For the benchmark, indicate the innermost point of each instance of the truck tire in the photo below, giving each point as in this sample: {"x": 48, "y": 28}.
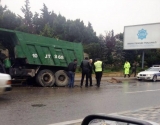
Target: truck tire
{"x": 61, "y": 78}
{"x": 45, "y": 78}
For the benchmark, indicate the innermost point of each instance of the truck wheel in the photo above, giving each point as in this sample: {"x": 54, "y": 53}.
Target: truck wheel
{"x": 154, "y": 78}
{"x": 61, "y": 78}
{"x": 45, "y": 78}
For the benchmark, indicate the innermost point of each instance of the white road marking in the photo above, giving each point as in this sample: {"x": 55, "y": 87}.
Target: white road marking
{"x": 143, "y": 91}
{"x": 68, "y": 122}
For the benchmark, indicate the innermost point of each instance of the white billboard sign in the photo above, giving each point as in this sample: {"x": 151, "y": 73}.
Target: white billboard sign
{"x": 146, "y": 36}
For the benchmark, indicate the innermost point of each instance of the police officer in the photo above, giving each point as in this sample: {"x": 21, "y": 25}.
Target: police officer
{"x": 126, "y": 69}
{"x": 98, "y": 68}
{"x": 134, "y": 67}
{"x": 85, "y": 65}
{"x": 90, "y": 72}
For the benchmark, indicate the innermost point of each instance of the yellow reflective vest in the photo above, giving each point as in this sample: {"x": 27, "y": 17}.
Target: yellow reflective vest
{"x": 98, "y": 66}
{"x": 126, "y": 67}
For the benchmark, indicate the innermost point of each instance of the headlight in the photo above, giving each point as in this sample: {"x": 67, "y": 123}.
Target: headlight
{"x": 149, "y": 75}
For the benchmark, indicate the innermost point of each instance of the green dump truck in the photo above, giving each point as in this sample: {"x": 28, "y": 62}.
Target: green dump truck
{"x": 26, "y": 55}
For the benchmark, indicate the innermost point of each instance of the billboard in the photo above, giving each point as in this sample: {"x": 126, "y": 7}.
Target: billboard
{"x": 145, "y": 36}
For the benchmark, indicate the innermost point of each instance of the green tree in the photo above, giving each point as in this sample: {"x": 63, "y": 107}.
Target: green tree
{"x": 119, "y": 37}
{"x": 108, "y": 43}
{"x": 131, "y": 55}
{"x": 72, "y": 31}
{"x": 10, "y": 20}
{"x": 37, "y": 23}
{"x": 2, "y": 10}
{"x": 27, "y": 21}
{"x": 45, "y": 15}
{"x": 118, "y": 55}
{"x": 47, "y": 31}
{"x": 93, "y": 49}
{"x": 59, "y": 27}
{"x": 152, "y": 57}
{"x": 90, "y": 35}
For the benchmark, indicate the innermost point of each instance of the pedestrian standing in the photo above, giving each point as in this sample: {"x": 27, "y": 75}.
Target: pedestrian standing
{"x": 71, "y": 70}
{"x": 85, "y": 66}
{"x": 98, "y": 69}
{"x": 134, "y": 67}
{"x": 90, "y": 72}
{"x": 126, "y": 69}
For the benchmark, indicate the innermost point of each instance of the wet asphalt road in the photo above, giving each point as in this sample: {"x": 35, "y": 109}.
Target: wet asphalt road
{"x": 43, "y": 106}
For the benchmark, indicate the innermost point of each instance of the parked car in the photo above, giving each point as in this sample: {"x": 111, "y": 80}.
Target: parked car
{"x": 5, "y": 83}
{"x": 153, "y": 73}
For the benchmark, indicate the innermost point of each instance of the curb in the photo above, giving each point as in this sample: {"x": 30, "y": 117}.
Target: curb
{"x": 108, "y": 78}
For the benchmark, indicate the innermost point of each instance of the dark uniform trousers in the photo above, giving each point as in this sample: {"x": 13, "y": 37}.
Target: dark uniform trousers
{"x": 134, "y": 71}
{"x": 98, "y": 77}
{"x": 85, "y": 73}
{"x": 90, "y": 78}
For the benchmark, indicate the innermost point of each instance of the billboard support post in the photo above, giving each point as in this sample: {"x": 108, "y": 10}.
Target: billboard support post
{"x": 142, "y": 59}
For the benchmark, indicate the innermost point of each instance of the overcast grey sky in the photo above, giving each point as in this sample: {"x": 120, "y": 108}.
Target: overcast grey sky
{"x": 104, "y": 15}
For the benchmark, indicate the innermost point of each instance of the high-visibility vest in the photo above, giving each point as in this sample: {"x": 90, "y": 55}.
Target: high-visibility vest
{"x": 127, "y": 65}
{"x": 98, "y": 66}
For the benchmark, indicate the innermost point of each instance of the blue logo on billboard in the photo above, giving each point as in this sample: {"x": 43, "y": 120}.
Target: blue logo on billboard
{"x": 142, "y": 34}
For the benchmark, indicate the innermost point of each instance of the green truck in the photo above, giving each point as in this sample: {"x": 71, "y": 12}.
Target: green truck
{"x": 45, "y": 59}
